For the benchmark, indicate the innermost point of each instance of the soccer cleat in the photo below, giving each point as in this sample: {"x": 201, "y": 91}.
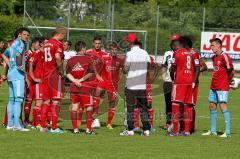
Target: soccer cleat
{"x": 127, "y": 133}
{"x": 152, "y": 129}
{"x": 56, "y": 131}
{"x": 9, "y": 128}
{"x": 90, "y": 132}
{"x": 38, "y": 127}
{"x": 171, "y": 134}
{"x": 170, "y": 128}
{"x": 145, "y": 133}
{"x": 136, "y": 129}
{"x": 96, "y": 123}
{"x": 33, "y": 127}
{"x": 44, "y": 130}
{"x": 109, "y": 126}
{"x": 4, "y": 125}
{"x": 76, "y": 131}
{"x": 208, "y": 133}
{"x": 225, "y": 135}
{"x": 21, "y": 129}
{"x": 186, "y": 134}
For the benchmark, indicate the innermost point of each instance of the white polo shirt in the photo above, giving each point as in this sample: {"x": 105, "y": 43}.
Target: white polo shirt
{"x": 137, "y": 59}
{"x": 69, "y": 54}
{"x": 167, "y": 61}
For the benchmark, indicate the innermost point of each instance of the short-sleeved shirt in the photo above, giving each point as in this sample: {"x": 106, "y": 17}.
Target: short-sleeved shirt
{"x": 220, "y": 77}
{"x": 137, "y": 59}
{"x": 96, "y": 57}
{"x": 196, "y": 57}
{"x": 185, "y": 62}
{"x": 51, "y": 48}
{"x": 112, "y": 67}
{"x": 37, "y": 60}
{"x": 11, "y": 52}
{"x": 167, "y": 60}
{"x": 79, "y": 66}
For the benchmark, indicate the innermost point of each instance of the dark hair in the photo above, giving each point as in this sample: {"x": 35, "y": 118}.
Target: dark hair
{"x": 217, "y": 40}
{"x": 16, "y": 33}
{"x": 113, "y": 45}
{"x": 42, "y": 39}
{"x": 24, "y": 29}
{"x": 187, "y": 41}
{"x": 80, "y": 45}
{"x": 97, "y": 38}
{"x": 36, "y": 39}
{"x": 68, "y": 42}
{"x": 137, "y": 42}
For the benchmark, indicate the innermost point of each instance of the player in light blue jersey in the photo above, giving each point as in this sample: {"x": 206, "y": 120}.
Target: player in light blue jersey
{"x": 15, "y": 59}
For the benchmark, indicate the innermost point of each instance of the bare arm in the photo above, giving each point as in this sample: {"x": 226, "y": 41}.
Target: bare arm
{"x": 32, "y": 74}
{"x": 203, "y": 66}
{"x": 172, "y": 72}
{"x": 164, "y": 72}
{"x": 59, "y": 64}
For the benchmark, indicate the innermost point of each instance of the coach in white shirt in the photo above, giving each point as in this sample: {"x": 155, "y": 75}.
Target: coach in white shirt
{"x": 68, "y": 53}
{"x": 136, "y": 65}
{"x": 167, "y": 81}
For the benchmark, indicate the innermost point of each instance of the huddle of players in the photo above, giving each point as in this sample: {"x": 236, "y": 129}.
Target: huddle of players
{"x": 91, "y": 72}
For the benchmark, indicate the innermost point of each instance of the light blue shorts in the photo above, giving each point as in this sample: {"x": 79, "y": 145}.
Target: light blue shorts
{"x": 16, "y": 89}
{"x": 218, "y": 96}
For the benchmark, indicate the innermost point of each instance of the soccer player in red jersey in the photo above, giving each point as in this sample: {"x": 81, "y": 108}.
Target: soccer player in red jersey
{"x": 79, "y": 69}
{"x": 36, "y": 73}
{"x": 111, "y": 73}
{"x": 183, "y": 67}
{"x": 96, "y": 54}
{"x": 53, "y": 83}
{"x": 223, "y": 72}
{"x": 35, "y": 45}
{"x": 203, "y": 67}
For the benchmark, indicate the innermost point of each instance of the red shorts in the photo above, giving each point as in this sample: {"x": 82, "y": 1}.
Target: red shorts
{"x": 53, "y": 89}
{"x": 110, "y": 88}
{"x": 182, "y": 93}
{"x": 29, "y": 92}
{"x": 38, "y": 90}
{"x": 195, "y": 95}
{"x": 84, "y": 100}
{"x": 149, "y": 93}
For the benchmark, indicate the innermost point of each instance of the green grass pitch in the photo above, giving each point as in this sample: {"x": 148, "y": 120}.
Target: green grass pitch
{"x": 108, "y": 143}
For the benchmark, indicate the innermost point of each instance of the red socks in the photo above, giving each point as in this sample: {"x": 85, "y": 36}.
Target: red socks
{"x": 96, "y": 106}
{"x": 136, "y": 118}
{"x": 36, "y": 116}
{"x": 79, "y": 119}
{"x": 151, "y": 116}
{"x": 55, "y": 112}
{"x": 175, "y": 117}
{"x": 5, "y": 117}
{"x": 111, "y": 113}
{"x": 44, "y": 112}
{"x": 27, "y": 110}
{"x": 49, "y": 115}
{"x": 89, "y": 120}
{"x": 74, "y": 120}
{"x": 186, "y": 118}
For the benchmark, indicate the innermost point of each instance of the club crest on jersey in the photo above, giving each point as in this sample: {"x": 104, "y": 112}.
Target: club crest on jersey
{"x": 77, "y": 67}
{"x": 219, "y": 62}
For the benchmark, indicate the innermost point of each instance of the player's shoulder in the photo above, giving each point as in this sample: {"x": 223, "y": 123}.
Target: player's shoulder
{"x": 169, "y": 52}
{"x": 89, "y": 51}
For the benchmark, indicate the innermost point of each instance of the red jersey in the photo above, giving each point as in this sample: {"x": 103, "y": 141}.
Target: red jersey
{"x": 51, "y": 48}
{"x": 111, "y": 69}
{"x": 37, "y": 60}
{"x": 10, "y": 43}
{"x": 96, "y": 57}
{"x": 220, "y": 77}
{"x": 78, "y": 66}
{"x": 28, "y": 55}
{"x": 154, "y": 65}
{"x": 185, "y": 62}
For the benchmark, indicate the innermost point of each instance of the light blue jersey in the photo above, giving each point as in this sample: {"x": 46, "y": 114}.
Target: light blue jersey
{"x": 11, "y": 53}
